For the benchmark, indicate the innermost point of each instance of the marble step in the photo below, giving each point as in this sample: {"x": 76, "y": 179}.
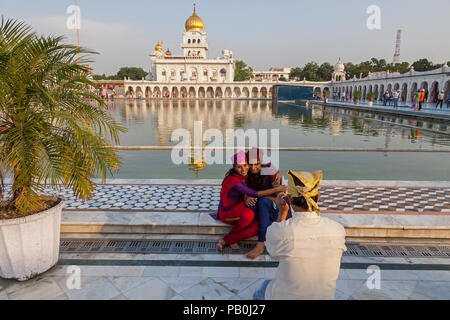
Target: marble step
{"x": 85, "y": 223}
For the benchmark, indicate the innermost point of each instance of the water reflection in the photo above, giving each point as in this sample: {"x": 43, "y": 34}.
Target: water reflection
{"x": 152, "y": 122}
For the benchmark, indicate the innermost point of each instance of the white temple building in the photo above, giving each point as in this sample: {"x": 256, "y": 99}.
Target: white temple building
{"x": 193, "y": 65}
{"x": 194, "y": 75}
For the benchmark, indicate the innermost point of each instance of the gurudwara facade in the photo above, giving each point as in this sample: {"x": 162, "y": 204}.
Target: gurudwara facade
{"x": 194, "y": 75}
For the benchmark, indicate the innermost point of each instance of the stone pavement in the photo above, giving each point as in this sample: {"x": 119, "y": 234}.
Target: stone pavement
{"x": 205, "y": 198}
{"x": 177, "y": 209}
{"x": 113, "y": 280}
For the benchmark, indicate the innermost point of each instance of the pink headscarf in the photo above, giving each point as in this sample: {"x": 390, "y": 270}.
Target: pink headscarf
{"x": 239, "y": 158}
{"x": 254, "y": 155}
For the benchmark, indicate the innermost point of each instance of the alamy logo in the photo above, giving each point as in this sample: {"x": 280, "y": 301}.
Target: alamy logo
{"x": 74, "y": 280}
{"x": 190, "y": 149}
{"x": 374, "y": 281}
{"x": 74, "y": 20}
{"x": 374, "y": 19}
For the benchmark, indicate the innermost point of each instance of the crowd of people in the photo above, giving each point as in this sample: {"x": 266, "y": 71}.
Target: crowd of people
{"x": 255, "y": 202}
{"x": 419, "y": 97}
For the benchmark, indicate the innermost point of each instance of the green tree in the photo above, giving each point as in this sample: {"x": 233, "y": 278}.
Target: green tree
{"x": 424, "y": 65}
{"x": 131, "y": 72}
{"x": 50, "y": 134}
{"x": 283, "y": 79}
{"x": 101, "y": 77}
{"x": 242, "y": 72}
{"x": 399, "y": 67}
{"x": 310, "y": 71}
{"x": 325, "y": 71}
{"x": 295, "y": 74}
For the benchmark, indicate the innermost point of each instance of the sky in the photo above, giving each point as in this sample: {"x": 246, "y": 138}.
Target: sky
{"x": 263, "y": 33}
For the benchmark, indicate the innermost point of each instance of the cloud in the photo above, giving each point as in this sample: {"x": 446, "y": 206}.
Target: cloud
{"x": 118, "y": 44}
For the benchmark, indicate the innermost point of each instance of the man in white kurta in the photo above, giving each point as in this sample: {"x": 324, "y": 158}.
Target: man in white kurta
{"x": 309, "y": 248}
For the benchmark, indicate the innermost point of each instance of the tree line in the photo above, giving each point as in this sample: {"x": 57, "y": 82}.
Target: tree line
{"x": 130, "y": 72}
{"x": 313, "y": 72}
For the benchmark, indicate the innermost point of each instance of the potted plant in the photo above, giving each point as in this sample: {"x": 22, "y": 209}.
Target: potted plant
{"x": 371, "y": 98}
{"x": 357, "y": 96}
{"x": 53, "y": 132}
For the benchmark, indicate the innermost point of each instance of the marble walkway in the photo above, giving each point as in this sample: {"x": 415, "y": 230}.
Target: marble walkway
{"x": 113, "y": 282}
{"x": 205, "y": 198}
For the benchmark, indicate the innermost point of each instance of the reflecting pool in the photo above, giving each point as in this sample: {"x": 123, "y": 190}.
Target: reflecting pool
{"x": 152, "y": 122}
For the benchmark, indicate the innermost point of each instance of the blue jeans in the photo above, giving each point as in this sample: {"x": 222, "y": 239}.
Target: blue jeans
{"x": 260, "y": 293}
{"x": 267, "y": 212}
{"x": 395, "y": 102}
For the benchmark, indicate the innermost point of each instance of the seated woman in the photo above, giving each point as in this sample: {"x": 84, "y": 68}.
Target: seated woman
{"x": 266, "y": 210}
{"x": 232, "y": 208}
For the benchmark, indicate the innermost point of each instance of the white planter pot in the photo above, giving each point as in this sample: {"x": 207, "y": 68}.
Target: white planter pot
{"x": 29, "y": 246}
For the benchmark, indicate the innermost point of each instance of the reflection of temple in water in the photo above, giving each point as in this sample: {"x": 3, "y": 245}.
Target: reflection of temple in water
{"x": 335, "y": 123}
{"x": 170, "y": 115}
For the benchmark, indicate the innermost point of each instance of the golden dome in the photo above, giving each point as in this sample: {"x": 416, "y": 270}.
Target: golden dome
{"x": 158, "y": 47}
{"x": 168, "y": 53}
{"x": 194, "y": 22}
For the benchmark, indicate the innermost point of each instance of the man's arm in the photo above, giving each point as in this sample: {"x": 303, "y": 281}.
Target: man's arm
{"x": 283, "y": 207}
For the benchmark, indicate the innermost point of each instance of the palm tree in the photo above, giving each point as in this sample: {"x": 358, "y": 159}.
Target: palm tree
{"x": 53, "y": 130}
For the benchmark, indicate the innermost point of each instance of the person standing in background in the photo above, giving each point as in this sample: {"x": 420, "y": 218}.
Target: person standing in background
{"x": 440, "y": 99}
{"x": 395, "y": 95}
{"x": 422, "y": 98}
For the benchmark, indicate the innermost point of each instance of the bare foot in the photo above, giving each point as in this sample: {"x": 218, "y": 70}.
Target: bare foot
{"x": 220, "y": 245}
{"x": 256, "y": 251}
{"x": 234, "y": 246}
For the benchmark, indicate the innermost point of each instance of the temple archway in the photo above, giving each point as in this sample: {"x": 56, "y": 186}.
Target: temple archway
{"x": 389, "y": 88}
{"x": 255, "y": 92}
{"x": 446, "y": 90}
{"x": 317, "y": 91}
{"x": 245, "y": 93}
{"x": 157, "y": 92}
{"x": 201, "y": 92}
{"x": 237, "y": 92}
{"x": 404, "y": 93}
{"x": 210, "y": 93}
{"x": 228, "y": 93}
{"x": 219, "y": 93}
{"x": 130, "y": 92}
{"x": 165, "y": 92}
{"x": 148, "y": 92}
{"x": 413, "y": 90}
{"x": 381, "y": 92}
{"x": 175, "y": 93}
{"x": 183, "y": 92}
{"x": 434, "y": 92}
{"x": 139, "y": 92}
{"x": 192, "y": 92}
{"x": 263, "y": 92}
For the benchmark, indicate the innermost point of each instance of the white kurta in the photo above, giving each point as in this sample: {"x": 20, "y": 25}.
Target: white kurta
{"x": 309, "y": 248}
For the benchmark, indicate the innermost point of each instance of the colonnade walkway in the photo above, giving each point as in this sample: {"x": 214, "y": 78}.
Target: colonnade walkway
{"x": 156, "y": 239}
{"x": 428, "y": 110}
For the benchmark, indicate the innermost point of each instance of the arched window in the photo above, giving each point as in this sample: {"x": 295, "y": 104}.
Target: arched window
{"x": 189, "y": 41}
{"x": 189, "y": 53}
{"x": 198, "y": 53}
